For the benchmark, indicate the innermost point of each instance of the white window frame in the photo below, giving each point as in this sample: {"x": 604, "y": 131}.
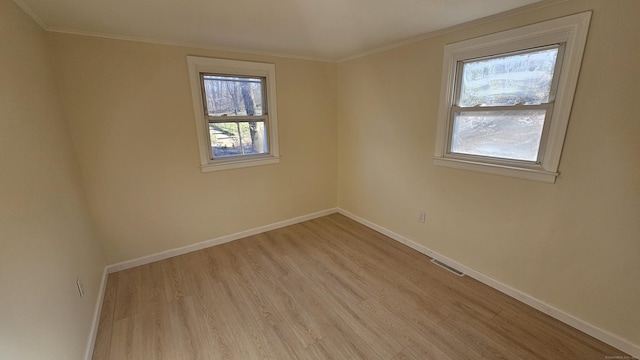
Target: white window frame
{"x": 570, "y": 31}
{"x": 203, "y": 65}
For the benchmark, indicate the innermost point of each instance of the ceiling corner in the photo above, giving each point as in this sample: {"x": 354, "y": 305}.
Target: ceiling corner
{"x": 31, "y": 14}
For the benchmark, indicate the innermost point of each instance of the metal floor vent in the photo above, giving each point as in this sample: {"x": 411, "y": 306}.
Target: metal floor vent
{"x": 447, "y": 267}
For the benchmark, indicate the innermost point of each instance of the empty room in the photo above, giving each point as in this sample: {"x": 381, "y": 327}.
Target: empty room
{"x": 418, "y": 179}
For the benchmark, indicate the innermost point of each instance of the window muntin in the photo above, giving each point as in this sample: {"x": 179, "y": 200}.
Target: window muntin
{"x": 501, "y": 104}
{"x": 235, "y": 112}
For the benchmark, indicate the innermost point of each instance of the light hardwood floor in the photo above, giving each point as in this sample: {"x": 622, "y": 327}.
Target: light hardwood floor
{"x": 329, "y": 288}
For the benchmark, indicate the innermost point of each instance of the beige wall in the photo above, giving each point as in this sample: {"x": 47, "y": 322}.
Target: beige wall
{"x": 369, "y": 123}
{"x": 132, "y": 120}
{"x": 574, "y": 244}
{"x": 46, "y": 238}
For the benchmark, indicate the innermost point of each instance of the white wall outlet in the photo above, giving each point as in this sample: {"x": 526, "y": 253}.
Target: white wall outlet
{"x": 422, "y": 216}
{"x": 80, "y": 288}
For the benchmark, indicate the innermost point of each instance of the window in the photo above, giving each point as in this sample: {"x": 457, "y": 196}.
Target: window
{"x": 235, "y": 108}
{"x": 506, "y": 99}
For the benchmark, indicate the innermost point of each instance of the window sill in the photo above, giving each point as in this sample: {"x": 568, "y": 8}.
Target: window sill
{"x": 495, "y": 169}
{"x": 239, "y": 163}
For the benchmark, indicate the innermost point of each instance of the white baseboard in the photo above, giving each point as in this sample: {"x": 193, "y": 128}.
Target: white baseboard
{"x": 179, "y": 251}
{"x": 96, "y": 316}
{"x": 600, "y": 334}
{"x": 217, "y": 241}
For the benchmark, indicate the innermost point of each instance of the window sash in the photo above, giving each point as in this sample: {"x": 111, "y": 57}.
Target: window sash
{"x": 548, "y": 107}
{"x": 234, "y": 77}
{"x": 554, "y": 82}
{"x": 237, "y": 120}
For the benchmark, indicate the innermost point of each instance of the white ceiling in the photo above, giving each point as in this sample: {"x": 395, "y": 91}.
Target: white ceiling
{"x": 318, "y": 29}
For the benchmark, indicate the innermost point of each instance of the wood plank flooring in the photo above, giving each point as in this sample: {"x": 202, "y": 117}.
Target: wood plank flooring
{"x": 329, "y": 288}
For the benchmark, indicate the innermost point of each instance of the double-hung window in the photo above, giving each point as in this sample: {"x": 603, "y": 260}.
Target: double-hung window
{"x": 507, "y": 96}
{"x": 235, "y": 108}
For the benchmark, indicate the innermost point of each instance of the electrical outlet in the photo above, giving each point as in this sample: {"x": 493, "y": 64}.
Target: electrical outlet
{"x": 80, "y": 288}
{"x": 422, "y": 216}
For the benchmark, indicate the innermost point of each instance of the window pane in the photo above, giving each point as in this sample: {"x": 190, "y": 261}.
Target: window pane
{"x": 232, "y": 96}
{"x": 508, "y": 134}
{"x": 523, "y": 78}
{"x": 238, "y": 138}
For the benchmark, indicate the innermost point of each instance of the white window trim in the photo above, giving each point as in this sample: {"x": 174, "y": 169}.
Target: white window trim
{"x": 199, "y": 65}
{"x": 571, "y": 30}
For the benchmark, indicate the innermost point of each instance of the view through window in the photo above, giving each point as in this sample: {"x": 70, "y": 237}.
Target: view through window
{"x": 236, "y": 115}
{"x": 502, "y": 104}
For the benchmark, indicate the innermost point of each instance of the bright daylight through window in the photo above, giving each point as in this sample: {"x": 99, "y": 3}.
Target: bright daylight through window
{"x": 506, "y": 99}
{"x": 234, "y": 103}
{"x": 234, "y": 112}
{"x": 502, "y": 104}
